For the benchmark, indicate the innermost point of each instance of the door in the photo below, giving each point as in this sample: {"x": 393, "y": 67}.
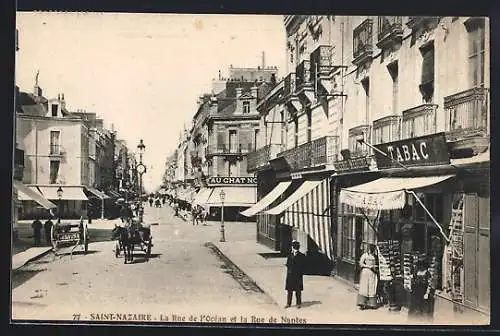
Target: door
{"x": 483, "y": 255}
{"x": 358, "y": 231}
{"x": 471, "y": 215}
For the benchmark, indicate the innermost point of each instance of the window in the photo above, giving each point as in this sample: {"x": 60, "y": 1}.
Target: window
{"x": 348, "y": 234}
{"x": 54, "y": 110}
{"x": 381, "y": 134}
{"x": 296, "y": 132}
{"x": 54, "y": 142}
{"x": 233, "y": 144}
{"x": 54, "y": 171}
{"x": 255, "y": 139}
{"x": 476, "y": 53}
{"x": 386, "y": 129}
{"x": 309, "y": 125}
{"x": 427, "y": 80}
{"x": 246, "y": 107}
{"x": 394, "y": 73}
{"x": 355, "y": 147}
{"x": 366, "y": 87}
{"x": 232, "y": 169}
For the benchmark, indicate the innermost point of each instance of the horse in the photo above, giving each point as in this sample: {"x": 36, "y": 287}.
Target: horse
{"x": 126, "y": 241}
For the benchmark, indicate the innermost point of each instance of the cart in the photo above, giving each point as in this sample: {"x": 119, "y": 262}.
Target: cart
{"x": 70, "y": 235}
{"x": 144, "y": 245}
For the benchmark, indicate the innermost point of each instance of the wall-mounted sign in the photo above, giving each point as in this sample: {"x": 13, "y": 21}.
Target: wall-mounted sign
{"x": 359, "y": 163}
{"x": 422, "y": 151}
{"x": 232, "y": 180}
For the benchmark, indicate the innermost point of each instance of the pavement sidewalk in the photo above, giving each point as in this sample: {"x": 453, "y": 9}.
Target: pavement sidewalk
{"x": 326, "y": 299}
{"x": 20, "y": 259}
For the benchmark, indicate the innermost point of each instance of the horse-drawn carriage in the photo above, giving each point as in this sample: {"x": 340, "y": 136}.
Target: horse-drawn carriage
{"x": 133, "y": 236}
{"x": 70, "y": 235}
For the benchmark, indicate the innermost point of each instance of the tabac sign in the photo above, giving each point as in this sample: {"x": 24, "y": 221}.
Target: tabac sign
{"x": 231, "y": 180}
{"x": 422, "y": 151}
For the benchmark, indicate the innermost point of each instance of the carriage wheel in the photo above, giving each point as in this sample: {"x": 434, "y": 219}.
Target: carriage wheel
{"x": 85, "y": 239}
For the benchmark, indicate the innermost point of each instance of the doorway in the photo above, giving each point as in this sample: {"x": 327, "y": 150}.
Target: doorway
{"x": 358, "y": 232}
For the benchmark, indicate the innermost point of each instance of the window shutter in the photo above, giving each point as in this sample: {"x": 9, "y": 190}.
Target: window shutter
{"x": 471, "y": 213}
{"x": 427, "y": 65}
{"x": 221, "y": 139}
{"x": 243, "y": 167}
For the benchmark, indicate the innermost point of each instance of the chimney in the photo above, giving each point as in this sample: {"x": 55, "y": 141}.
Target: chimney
{"x": 263, "y": 60}
{"x": 254, "y": 91}
{"x": 239, "y": 91}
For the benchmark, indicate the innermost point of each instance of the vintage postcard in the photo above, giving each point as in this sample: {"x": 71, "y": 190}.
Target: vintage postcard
{"x": 251, "y": 169}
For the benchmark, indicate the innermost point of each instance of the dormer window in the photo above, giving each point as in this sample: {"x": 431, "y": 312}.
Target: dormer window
{"x": 54, "y": 110}
{"x": 246, "y": 107}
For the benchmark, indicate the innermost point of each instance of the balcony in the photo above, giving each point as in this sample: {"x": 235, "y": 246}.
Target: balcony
{"x": 321, "y": 69}
{"x": 390, "y": 31}
{"x": 467, "y": 118}
{"x": 419, "y": 121}
{"x": 322, "y": 151}
{"x": 289, "y": 96}
{"x": 415, "y": 22}
{"x": 304, "y": 84}
{"x": 224, "y": 149}
{"x": 260, "y": 157}
{"x": 363, "y": 42}
{"x": 55, "y": 151}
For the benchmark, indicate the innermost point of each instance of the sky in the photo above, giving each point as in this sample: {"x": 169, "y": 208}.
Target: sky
{"x": 141, "y": 73}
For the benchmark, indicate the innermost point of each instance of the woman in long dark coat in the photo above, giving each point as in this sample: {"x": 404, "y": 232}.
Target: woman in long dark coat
{"x": 294, "y": 276}
{"x": 422, "y": 293}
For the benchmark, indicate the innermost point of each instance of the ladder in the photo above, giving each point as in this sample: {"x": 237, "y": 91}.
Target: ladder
{"x": 456, "y": 251}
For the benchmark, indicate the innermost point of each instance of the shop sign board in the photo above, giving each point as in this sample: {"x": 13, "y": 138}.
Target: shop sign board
{"x": 231, "y": 180}
{"x": 426, "y": 150}
{"x": 359, "y": 163}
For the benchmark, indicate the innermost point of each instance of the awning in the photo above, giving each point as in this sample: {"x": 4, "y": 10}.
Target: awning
{"x": 25, "y": 193}
{"x": 268, "y": 199}
{"x": 387, "y": 192}
{"x": 202, "y": 196}
{"x": 306, "y": 187}
{"x": 309, "y": 211}
{"x": 98, "y": 193}
{"x": 235, "y": 196}
{"x": 70, "y": 193}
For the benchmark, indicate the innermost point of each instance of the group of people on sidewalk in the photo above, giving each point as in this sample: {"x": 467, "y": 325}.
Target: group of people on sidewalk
{"x": 372, "y": 293}
{"x": 37, "y": 227}
{"x": 421, "y": 305}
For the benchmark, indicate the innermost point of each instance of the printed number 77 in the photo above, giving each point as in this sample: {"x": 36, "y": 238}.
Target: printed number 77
{"x": 76, "y": 317}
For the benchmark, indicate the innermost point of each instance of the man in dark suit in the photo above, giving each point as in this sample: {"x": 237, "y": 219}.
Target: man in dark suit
{"x": 294, "y": 275}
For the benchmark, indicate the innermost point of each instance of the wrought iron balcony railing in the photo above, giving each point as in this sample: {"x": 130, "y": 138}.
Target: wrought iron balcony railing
{"x": 363, "y": 41}
{"x": 289, "y": 85}
{"x": 262, "y": 156}
{"x": 302, "y": 75}
{"x": 466, "y": 114}
{"x": 390, "y": 28}
{"x": 230, "y": 150}
{"x": 419, "y": 121}
{"x": 322, "y": 151}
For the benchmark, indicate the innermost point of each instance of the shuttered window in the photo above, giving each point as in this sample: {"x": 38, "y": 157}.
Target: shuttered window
{"x": 427, "y": 79}
{"x": 221, "y": 140}
{"x": 476, "y": 53}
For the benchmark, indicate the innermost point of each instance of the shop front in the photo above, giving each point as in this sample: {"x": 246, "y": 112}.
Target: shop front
{"x": 425, "y": 208}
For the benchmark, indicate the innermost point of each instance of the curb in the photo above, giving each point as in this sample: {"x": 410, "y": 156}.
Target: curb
{"x": 224, "y": 258}
{"x": 33, "y": 259}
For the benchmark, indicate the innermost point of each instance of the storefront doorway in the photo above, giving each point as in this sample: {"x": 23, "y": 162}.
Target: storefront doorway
{"x": 358, "y": 231}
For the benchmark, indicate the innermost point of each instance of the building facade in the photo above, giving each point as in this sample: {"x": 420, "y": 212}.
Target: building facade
{"x": 394, "y": 84}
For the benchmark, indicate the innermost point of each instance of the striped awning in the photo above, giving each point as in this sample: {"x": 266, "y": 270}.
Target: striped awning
{"x": 267, "y": 200}
{"x": 25, "y": 193}
{"x": 98, "y": 193}
{"x": 310, "y": 212}
{"x": 202, "y": 196}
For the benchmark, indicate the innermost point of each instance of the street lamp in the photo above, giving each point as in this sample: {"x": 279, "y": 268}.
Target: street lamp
{"x": 59, "y": 196}
{"x": 222, "y": 195}
{"x": 141, "y": 169}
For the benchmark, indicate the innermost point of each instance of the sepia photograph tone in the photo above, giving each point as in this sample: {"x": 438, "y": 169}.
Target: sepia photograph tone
{"x": 251, "y": 169}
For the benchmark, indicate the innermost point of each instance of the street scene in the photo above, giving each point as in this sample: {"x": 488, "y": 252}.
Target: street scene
{"x": 251, "y": 169}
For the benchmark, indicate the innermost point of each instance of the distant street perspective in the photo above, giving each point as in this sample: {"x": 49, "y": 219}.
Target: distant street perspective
{"x": 251, "y": 169}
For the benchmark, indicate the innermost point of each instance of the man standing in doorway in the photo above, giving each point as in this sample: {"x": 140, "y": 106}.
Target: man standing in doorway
{"x": 294, "y": 275}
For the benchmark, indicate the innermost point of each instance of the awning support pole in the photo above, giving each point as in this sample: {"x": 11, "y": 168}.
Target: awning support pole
{"x": 430, "y": 215}
{"x": 368, "y": 219}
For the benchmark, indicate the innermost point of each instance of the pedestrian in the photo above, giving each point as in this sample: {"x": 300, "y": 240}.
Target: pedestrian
{"x": 48, "y": 227}
{"x": 368, "y": 279}
{"x": 176, "y": 209}
{"x": 37, "y": 231}
{"x": 294, "y": 275}
{"x": 150, "y": 202}
{"x": 422, "y": 293}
